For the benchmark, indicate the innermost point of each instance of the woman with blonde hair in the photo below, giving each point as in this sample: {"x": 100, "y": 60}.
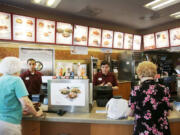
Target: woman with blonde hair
{"x": 13, "y": 97}
{"x": 150, "y": 103}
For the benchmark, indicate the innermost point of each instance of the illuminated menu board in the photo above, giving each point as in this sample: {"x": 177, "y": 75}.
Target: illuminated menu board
{"x": 118, "y": 40}
{"x": 107, "y": 38}
{"x": 94, "y": 37}
{"x": 149, "y": 42}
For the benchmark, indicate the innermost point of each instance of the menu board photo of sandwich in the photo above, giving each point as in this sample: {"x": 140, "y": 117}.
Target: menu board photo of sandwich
{"x": 45, "y": 31}
{"x": 128, "y": 41}
{"x": 137, "y": 42}
{"x": 5, "y": 26}
{"x": 175, "y": 37}
{"x": 162, "y": 39}
{"x": 94, "y": 37}
{"x": 118, "y": 40}
{"x": 149, "y": 42}
{"x": 107, "y": 38}
{"x": 23, "y": 28}
{"x": 64, "y": 33}
{"x": 80, "y": 35}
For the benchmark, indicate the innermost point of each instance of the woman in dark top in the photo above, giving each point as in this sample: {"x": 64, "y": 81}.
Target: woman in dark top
{"x": 150, "y": 103}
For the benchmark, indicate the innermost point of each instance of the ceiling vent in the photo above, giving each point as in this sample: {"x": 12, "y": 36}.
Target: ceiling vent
{"x": 150, "y": 17}
{"x": 89, "y": 11}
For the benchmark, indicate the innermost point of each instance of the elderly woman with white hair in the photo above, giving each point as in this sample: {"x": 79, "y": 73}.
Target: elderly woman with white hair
{"x": 150, "y": 103}
{"x": 13, "y": 97}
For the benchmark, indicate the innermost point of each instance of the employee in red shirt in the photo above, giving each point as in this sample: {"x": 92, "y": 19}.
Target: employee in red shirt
{"x": 105, "y": 78}
{"x": 32, "y": 78}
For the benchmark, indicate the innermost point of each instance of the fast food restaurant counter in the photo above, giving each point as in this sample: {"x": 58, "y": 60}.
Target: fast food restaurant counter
{"x": 93, "y": 123}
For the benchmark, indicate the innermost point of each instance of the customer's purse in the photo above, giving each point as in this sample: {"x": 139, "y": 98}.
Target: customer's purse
{"x": 117, "y": 108}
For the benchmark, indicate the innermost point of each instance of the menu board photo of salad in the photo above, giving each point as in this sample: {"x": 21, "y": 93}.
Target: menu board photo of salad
{"x": 107, "y": 38}
{"x": 80, "y": 35}
{"x": 94, "y": 37}
{"x": 128, "y": 41}
{"x": 137, "y": 42}
{"x": 149, "y": 42}
{"x": 118, "y": 40}
{"x": 162, "y": 39}
{"x": 64, "y": 33}
{"x": 5, "y": 26}
{"x": 23, "y": 28}
{"x": 45, "y": 31}
{"x": 175, "y": 37}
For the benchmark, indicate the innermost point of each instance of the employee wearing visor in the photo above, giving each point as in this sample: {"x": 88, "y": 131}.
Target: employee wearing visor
{"x": 32, "y": 78}
{"x": 105, "y": 77}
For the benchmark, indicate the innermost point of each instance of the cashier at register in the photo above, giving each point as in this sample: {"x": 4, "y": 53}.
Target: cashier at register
{"x": 32, "y": 78}
{"x": 105, "y": 77}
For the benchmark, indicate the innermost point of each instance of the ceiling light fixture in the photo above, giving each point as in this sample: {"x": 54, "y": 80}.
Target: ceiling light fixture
{"x": 48, "y": 3}
{"x": 176, "y": 15}
{"x": 160, "y": 4}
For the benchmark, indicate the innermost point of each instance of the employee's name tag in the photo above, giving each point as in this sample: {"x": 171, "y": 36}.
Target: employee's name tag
{"x": 27, "y": 78}
{"x": 99, "y": 79}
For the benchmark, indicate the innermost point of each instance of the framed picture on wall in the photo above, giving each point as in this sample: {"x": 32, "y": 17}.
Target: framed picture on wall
{"x": 162, "y": 39}
{"x": 23, "y": 28}
{"x": 118, "y": 40}
{"x": 137, "y": 42}
{"x": 94, "y": 37}
{"x": 5, "y": 26}
{"x": 64, "y": 33}
{"x": 175, "y": 37}
{"x": 80, "y": 35}
{"x": 45, "y": 31}
{"x": 149, "y": 42}
{"x": 128, "y": 41}
{"x": 107, "y": 38}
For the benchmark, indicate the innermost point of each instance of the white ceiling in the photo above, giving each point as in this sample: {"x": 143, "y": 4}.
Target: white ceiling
{"x": 129, "y": 13}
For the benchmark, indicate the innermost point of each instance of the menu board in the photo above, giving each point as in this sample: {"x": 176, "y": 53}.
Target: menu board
{"x": 137, "y": 42}
{"x": 80, "y": 35}
{"x": 23, "y": 28}
{"x": 45, "y": 31}
{"x": 162, "y": 39}
{"x": 94, "y": 37}
{"x": 149, "y": 42}
{"x": 5, "y": 26}
{"x": 118, "y": 39}
{"x": 64, "y": 33}
{"x": 175, "y": 37}
{"x": 128, "y": 41}
{"x": 107, "y": 38}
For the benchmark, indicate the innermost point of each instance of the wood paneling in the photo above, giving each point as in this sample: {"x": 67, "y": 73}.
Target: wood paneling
{"x": 4, "y": 52}
{"x": 175, "y": 128}
{"x": 30, "y": 127}
{"x": 110, "y": 129}
{"x": 57, "y": 128}
{"x": 124, "y": 90}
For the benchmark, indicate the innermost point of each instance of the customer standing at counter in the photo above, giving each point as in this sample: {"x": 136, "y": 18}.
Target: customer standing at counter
{"x": 13, "y": 98}
{"x": 150, "y": 103}
{"x": 32, "y": 78}
{"x": 105, "y": 77}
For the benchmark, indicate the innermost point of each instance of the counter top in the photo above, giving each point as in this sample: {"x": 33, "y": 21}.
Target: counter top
{"x": 93, "y": 117}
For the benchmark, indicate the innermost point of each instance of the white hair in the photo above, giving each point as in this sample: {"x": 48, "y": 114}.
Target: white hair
{"x": 10, "y": 65}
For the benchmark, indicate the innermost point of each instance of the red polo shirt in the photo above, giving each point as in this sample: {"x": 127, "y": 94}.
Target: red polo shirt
{"x": 100, "y": 78}
{"x": 32, "y": 81}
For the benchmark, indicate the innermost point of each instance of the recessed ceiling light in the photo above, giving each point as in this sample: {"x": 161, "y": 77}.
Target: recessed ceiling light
{"x": 176, "y": 15}
{"x": 49, "y": 3}
{"x": 160, "y": 4}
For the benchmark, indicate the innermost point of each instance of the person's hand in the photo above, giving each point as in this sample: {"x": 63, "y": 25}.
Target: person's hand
{"x": 102, "y": 84}
{"x": 108, "y": 84}
{"x": 25, "y": 112}
{"x": 39, "y": 113}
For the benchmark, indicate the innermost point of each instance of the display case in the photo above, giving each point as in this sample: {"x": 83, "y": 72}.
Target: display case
{"x": 71, "y": 95}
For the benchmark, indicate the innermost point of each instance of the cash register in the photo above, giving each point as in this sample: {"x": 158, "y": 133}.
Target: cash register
{"x": 102, "y": 94}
